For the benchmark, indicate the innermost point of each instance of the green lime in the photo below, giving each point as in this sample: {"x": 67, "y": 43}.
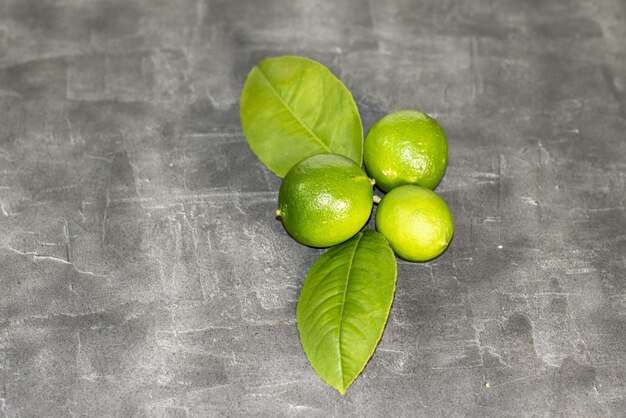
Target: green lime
{"x": 416, "y": 222}
{"x": 406, "y": 147}
{"x": 325, "y": 200}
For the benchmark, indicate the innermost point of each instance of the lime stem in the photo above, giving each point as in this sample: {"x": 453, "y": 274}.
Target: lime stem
{"x": 372, "y": 182}
{"x": 278, "y": 213}
{"x": 376, "y": 199}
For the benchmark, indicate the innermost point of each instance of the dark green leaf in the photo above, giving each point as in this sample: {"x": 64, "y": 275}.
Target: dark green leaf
{"x": 293, "y": 108}
{"x": 344, "y": 305}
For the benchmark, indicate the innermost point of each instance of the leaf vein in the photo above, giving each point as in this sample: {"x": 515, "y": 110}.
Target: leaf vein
{"x": 322, "y": 281}
{"x": 290, "y": 110}
{"x": 343, "y": 303}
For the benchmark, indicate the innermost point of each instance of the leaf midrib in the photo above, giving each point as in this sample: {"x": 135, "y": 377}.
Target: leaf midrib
{"x": 343, "y": 304}
{"x": 286, "y": 105}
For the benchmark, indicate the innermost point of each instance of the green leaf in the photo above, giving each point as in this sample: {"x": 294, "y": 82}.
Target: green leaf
{"x": 344, "y": 305}
{"x": 292, "y": 108}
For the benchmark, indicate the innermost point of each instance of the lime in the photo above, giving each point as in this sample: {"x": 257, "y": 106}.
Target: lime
{"x": 406, "y": 147}
{"x": 325, "y": 200}
{"x": 416, "y": 222}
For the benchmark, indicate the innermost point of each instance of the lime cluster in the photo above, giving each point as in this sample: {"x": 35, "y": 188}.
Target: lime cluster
{"x": 326, "y": 199}
{"x": 406, "y": 152}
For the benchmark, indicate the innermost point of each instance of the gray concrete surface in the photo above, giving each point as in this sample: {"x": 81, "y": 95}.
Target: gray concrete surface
{"x": 142, "y": 271}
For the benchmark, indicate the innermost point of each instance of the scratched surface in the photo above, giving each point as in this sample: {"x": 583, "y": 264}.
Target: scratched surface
{"x": 142, "y": 271}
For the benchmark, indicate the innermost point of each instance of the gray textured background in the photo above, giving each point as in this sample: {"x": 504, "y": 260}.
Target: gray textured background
{"x": 142, "y": 271}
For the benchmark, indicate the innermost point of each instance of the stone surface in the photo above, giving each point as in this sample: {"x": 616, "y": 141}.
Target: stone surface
{"x": 143, "y": 272}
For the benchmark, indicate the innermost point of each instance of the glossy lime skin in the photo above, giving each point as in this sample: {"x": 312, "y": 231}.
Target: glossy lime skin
{"x": 416, "y": 222}
{"x": 406, "y": 147}
{"x": 324, "y": 200}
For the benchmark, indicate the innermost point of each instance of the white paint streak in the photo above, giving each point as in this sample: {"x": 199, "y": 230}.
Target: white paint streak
{"x": 37, "y": 257}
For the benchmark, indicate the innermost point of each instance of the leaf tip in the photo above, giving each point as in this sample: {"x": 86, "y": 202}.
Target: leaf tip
{"x": 341, "y": 389}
